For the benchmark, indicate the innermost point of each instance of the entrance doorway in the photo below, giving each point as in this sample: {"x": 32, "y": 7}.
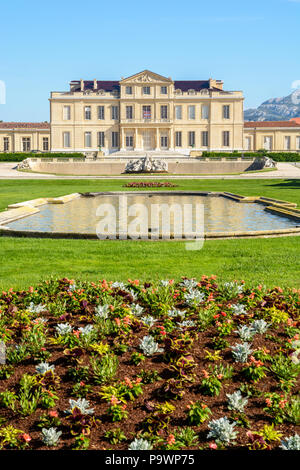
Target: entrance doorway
{"x": 147, "y": 140}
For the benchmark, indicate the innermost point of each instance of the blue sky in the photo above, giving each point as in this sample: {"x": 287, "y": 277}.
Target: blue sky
{"x": 253, "y": 46}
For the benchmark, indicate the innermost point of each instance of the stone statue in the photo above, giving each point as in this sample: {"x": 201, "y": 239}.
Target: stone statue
{"x": 269, "y": 163}
{"x": 146, "y": 165}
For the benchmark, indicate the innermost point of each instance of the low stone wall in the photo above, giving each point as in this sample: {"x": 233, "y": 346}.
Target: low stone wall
{"x": 176, "y": 167}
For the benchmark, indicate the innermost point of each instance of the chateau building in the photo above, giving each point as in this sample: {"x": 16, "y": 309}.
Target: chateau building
{"x": 274, "y": 136}
{"x": 24, "y": 136}
{"x": 146, "y": 112}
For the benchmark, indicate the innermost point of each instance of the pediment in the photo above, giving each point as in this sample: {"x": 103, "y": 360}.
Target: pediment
{"x": 146, "y": 77}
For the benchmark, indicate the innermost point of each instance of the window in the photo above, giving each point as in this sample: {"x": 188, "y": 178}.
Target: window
{"x": 298, "y": 143}
{"x": 205, "y": 111}
{"x": 178, "y": 139}
{"x": 146, "y": 90}
{"x": 129, "y": 141}
{"x": 128, "y": 90}
{"x": 205, "y": 139}
{"x": 114, "y": 113}
{"x": 101, "y": 139}
{"x": 191, "y": 112}
{"x": 192, "y": 139}
{"x": 67, "y": 113}
{"x": 248, "y": 143}
{"x": 115, "y": 139}
{"x": 164, "y": 142}
{"x": 26, "y": 144}
{"x": 226, "y": 111}
{"x": 146, "y": 112}
{"x": 163, "y": 90}
{"x": 287, "y": 142}
{"x": 87, "y": 139}
{"x": 66, "y": 139}
{"x": 164, "y": 112}
{"x": 268, "y": 143}
{"x": 101, "y": 114}
{"x": 45, "y": 143}
{"x": 226, "y": 139}
{"x": 129, "y": 112}
{"x": 87, "y": 112}
{"x": 178, "y": 112}
{"x": 6, "y": 144}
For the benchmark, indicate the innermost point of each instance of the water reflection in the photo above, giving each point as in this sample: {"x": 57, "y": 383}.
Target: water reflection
{"x": 220, "y": 214}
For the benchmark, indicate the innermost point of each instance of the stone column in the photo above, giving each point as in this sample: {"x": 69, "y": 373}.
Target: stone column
{"x": 157, "y": 140}
{"x": 171, "y": 146}
{"x": 136, "y": 138}
{"x": 122, "y": 133}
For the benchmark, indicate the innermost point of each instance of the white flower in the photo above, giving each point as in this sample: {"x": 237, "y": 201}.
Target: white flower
{"x": 101, "y": 311}
{"x": 186, "y": 324}
{"x": 189, "y": 283}
{"x": 238, "y": 309}
{"x": 36, "y": 308}
{"x": 82, "y": 404}
{"x": 149, "y": 346}
{"x": 291, "y": 443}
{"x": 136, "y": 309}
{"x": 222, "y": 430}
{"x": 63, "y": 328}
{"x": 176, "y": 313}
{"x": 236, "y": 401}
{"x": 43, "y": 367}
{"x": 194, "y": 297}
{"x": 86, "y": 330}
{"x": 118, "y": 285}
{"x": 50, "y": 437}
{"x": 140, "y": 444}
{"x": 148, "y": 320}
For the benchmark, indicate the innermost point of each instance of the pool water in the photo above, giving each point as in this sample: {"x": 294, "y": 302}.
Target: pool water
{"x": 220, "y": 214}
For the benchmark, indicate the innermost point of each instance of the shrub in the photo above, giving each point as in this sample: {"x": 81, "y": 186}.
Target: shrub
{"x": 222, "y": 430}
{"x": 20, "y": 156}
{"x": 50, "y": 437}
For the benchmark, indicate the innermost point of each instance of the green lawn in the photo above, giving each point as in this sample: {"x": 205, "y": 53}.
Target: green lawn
{"x": 273, "y": 261}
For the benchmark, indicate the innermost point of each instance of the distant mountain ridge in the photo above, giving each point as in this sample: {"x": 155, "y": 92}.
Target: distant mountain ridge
{"x": 276, "y": 109}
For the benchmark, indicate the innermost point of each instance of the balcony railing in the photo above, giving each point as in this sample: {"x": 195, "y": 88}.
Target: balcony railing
{"x": 145, "y": 120}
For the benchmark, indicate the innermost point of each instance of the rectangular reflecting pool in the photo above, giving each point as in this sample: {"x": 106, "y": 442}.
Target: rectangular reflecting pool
{"x": 89, "y": 215}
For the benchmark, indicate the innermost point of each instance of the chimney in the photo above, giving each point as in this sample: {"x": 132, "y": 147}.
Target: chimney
{"x": 81, "y": 85}
{"x": 215, "y": 83}
{"x": 95, "y": 84}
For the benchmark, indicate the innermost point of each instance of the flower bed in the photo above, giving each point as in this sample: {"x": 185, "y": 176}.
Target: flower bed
{"x": 150, "y": 184}
{"x": 166, "y": 366}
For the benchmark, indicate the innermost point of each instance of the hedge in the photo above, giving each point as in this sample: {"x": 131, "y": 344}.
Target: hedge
{"x": 20, "y": 156}
{"x": 276, "y": 156}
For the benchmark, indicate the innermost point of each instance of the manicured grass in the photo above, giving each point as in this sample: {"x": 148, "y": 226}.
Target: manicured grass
{"x": 273, "y": 261}
{"x": 269, "y": 261}
{"x": 16, "y": 191}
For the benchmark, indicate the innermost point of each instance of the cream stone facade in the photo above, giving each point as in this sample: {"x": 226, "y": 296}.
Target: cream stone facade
{"x": 146, "y": 112}
{"x": 24, "y": 136}
{"x": 274, "y": 136}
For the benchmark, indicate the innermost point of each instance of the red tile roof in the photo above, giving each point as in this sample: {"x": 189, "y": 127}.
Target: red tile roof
{"x": 253, "y": 124}
{"x": 24, "y": 125}
{"x": 297, "y": 120}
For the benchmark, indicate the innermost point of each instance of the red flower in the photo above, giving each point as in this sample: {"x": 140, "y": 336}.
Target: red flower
{"x": 25, "y": 437}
